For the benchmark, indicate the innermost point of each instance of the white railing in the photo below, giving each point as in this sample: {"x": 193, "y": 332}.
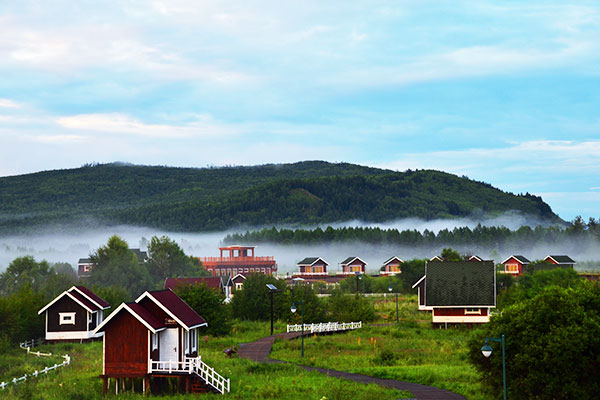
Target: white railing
{"x": 31, "y": 343}
{"x": 325, "y": 327}
{"x": 36, "y": 373}
{"x": 193, "y": 365}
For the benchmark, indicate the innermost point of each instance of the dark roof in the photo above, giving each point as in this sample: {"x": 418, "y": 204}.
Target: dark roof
{"x": 460, "y": 283}
{"x": 213, "y": 282}
{"x": 86, "y": 302}
{"x": 350, "y": 259}
{"x": 562, "y": 259}
{"x": 92, "y": 296}
{"x": 310, "y": 261}
{"x": 389, "y": 260}
{"x": 146, "y": 315}
{"x": 520, "y": 259}
{"x": 84, "y": 261}
{"x": 141, "y": 255}
{"x": 178, "y": 308}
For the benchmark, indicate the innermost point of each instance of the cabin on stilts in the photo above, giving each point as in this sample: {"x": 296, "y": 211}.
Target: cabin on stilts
{"x": 154, "y": 341}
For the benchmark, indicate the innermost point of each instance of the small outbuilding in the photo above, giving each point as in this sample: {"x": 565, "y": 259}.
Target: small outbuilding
{"x": 352, "y": 266}
{"x": 392, "y": 266}
{"x": 515, "y": 265}
{"x": 73, "y": 315}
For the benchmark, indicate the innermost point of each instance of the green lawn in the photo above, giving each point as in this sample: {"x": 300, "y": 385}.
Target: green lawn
{"x": 411, "y": 351}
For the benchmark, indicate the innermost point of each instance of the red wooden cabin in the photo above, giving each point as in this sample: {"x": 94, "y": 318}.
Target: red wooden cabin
{"x": 74, "y": 314}
{"x": 156, "y": 337}
{"x": 514, "y": 265}
{"x": 352, "y": 265}
{"x": 239, "y": 260}
{"x": 311, "y": 267}
{"x": 391, "y": 267}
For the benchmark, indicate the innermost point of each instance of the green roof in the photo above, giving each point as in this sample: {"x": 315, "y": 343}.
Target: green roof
{"x": 460, "y": 283}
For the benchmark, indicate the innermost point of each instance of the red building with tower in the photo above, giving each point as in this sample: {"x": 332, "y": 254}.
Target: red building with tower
{"x": 236, "y": 260}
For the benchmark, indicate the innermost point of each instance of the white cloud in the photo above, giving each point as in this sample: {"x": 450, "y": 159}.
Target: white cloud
{"x": 203, "y": 126}
{"x": 7, "y": 103}
{"x": 59, "y": 139}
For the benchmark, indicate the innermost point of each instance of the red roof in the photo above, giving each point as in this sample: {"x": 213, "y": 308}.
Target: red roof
{"x": 92, "y": 296}
{"x": 172, "y": 304}
{"x": 213, "y": 282}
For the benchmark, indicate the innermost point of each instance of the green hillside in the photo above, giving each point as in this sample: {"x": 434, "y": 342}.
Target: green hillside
{"x": 190, "y": 199}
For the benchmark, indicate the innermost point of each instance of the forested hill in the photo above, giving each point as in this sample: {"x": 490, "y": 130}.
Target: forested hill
{"x": 190, "y": 199}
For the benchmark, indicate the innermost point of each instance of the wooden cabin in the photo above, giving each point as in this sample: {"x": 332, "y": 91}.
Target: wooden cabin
{"x": 237, "y": 282}
{"x": 73, "y": 315}
{"x": 352, "y": 266}
{"x": 311, "y": 267}
{"x": 156, "y": 337}
{"x": 391, "y": 267}
{"x": 515, "y": 265}
{"x": 561, "y": 261}
{"x": 458, "y": 292}
{"x": 239, "y": 260}
{"x": 84, "y": 267}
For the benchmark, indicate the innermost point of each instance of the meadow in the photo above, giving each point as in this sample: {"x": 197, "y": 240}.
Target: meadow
{"x": 410, "y": 351}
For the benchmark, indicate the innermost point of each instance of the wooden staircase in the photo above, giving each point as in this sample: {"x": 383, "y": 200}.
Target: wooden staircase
{"x": 197, "y": 385}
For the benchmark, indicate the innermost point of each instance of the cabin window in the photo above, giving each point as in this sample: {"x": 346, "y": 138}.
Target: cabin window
{"x": 154, "y": 340}
{"x": 186, "y": 340}
{"x": 355, "y": 268}
{"x": 512, "y": 268}
{"x": 194, "y": 335}
{"x": 66, "y": 318}
{"x": 473, "y": 311}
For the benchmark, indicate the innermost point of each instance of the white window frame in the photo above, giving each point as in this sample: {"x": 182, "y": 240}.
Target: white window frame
{"x": 473, "y": 310}
{"x": 194, "y": 338}
{"x": 186, "y": 340}
{"x": 66, "y": 318}
{"x": 154, "y": 341}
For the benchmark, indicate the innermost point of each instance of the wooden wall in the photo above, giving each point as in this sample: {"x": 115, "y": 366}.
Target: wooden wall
{"x": 125, "y": 346}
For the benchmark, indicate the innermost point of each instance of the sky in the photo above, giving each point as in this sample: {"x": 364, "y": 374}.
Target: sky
{"x": 502, "y": 92}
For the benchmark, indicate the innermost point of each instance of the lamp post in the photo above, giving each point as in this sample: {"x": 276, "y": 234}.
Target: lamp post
{"x": 390, "y": 290}
{"x": 272, "y": 290}
{"x": 486, "y": 350}
{"x": 293, "y": 309}
{"x": 358, "y": 278}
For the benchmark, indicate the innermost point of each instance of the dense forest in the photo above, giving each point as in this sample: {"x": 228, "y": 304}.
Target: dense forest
{"x": 205, "y": 199}
{"x": 586, "y": 234}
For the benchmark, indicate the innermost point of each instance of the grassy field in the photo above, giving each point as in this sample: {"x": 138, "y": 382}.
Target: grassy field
{"x": 249, "y": 380}
{"x": 411, "y": 351}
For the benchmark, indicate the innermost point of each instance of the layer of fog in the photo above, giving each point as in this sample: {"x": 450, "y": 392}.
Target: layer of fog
{"x": 80, "y": 243}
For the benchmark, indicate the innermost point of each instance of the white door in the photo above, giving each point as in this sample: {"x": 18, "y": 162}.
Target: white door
{"x": 169, "y": 347}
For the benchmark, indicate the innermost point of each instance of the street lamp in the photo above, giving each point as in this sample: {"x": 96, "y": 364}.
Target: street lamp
{"x": 358, "y": 278}
{"x": 390, "y": 290}
{"x": 293, "y": 309}
{"x": 272, "y": 289}
{"x": 486, "y": 350}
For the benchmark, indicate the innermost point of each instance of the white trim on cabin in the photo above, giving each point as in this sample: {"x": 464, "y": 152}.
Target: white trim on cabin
{"x": 60, "y": 296}
{"x": 66, "y": 318}
{"x": 169, "y": 312}
{"x": 88, "y": 297}
{"x": 461, "y": 319}
{"x": 124, "y": 306}
{"x": 419, "y": 281}
{"x": 75, "y": 335}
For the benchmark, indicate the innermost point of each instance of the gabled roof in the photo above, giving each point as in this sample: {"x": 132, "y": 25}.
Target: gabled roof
{"x": 475, "y": 258}
{"x": 350, "y": 260}
{"x": 460, "y": 283}
{"x": 419, "y": 281}
{"x": 91, "y": 296}
{"x": 561, "y": 259}
{"x": 84, "y": 261}
{"x": 213, "y": 282}
{"x": 140, "y": 254}
{"x": 140, "y": 313}
{"x": 520, "y": 259}
{"x": 176, "y": 308}
{"x": 436, "y": 258}
{"x": 389, "y": 260}
{"x": 311, "y": 261}
{"x": 82, "y": 296}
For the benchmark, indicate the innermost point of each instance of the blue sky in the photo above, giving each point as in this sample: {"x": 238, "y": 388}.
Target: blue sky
{"x": 502, "y": 92}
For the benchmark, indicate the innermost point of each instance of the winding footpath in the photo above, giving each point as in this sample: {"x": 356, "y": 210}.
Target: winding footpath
{"x": 260, "y": 349}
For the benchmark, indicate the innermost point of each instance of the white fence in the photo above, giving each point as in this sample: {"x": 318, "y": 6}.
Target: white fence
{"x": 193, "y": 365}
{"x": 325, "y": 327}
{"x": 27, "y": 346}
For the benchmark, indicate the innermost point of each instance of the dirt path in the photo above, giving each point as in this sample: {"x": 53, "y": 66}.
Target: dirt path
{"x": 260, "y": 349}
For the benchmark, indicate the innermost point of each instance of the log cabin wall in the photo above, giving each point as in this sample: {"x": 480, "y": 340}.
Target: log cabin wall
{"x": 125, "y": 347}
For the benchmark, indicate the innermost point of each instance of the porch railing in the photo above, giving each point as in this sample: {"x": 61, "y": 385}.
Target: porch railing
{"x": 193, "y": 365}
{"x": 325, "y": 327}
